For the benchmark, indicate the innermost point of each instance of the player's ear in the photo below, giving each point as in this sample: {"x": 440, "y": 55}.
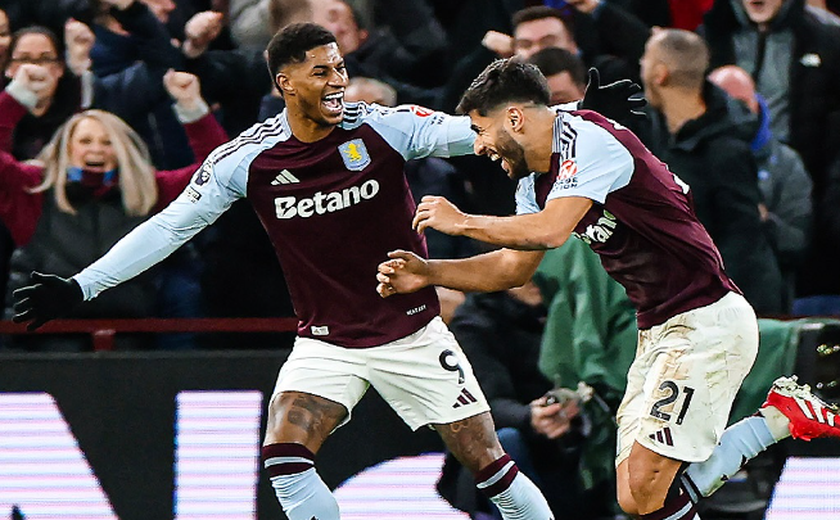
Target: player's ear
{"x": 284, "y": 85}
{"x": 515, "y": 117}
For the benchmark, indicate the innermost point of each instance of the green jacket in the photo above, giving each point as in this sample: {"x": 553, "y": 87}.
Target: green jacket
{"x": 590, "y": 336}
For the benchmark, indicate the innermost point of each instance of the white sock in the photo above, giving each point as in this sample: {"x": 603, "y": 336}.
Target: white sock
{"x": 301, "y": 492}
{"x": 739, "y": 443}
{"x": 516, "y": 496}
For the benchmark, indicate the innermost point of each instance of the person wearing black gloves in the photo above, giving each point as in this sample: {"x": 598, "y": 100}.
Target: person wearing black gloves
{"x": 332, "y": 169}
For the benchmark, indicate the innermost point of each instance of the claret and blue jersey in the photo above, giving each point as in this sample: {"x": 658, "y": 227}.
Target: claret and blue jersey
{"x": 641, "y": 223}
{"x": 333, "y": 209}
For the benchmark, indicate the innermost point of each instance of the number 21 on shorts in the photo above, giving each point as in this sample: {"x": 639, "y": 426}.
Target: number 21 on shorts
{"x": 673, "y": 394}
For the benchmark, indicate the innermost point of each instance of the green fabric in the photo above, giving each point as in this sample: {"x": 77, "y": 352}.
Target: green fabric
{"x": 590, "y": 335}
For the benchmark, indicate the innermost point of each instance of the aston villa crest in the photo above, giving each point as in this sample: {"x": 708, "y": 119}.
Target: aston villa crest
{"x": 355, "y": 155}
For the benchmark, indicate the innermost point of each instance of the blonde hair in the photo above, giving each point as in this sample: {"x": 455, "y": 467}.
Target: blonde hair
{"x": 136, "y": 173}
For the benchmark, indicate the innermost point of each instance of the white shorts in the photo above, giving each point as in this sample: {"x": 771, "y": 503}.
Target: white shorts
{"x": 425, "y": 377}
{"x": 685, "y": 376}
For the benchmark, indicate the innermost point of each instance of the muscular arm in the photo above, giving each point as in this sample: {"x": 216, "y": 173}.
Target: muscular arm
{"x": 546, "y": 229}
{"x": 488, "y": 272}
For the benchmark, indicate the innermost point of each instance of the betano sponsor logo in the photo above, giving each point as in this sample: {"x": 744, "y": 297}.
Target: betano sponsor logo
{"x": 321, "y": 203}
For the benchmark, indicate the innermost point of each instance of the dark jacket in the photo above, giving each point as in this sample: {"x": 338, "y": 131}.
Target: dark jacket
{"x": 501, "y": 337}
{"x": 814, "y": 77}
{"x": 712, "y": 154}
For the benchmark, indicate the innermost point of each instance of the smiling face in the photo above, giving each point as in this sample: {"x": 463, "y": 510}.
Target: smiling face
{"x": 314, "y": 88}
{"x": 90, "y": 147}
{"x": 762, "y": 11}
{"x": 493, "y": 140}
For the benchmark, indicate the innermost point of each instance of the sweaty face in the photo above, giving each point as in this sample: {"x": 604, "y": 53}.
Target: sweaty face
{"x": 38, "y": 49}
{"x": 316, "y": 86}
{"x": 496, "y": 143}
{"x": 91, "y": 147}
{"x": 762, "y": 11}
{"x": 536, "y": 35}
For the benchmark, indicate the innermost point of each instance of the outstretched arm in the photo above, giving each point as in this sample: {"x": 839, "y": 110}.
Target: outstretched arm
{"x": 406, "y": 272}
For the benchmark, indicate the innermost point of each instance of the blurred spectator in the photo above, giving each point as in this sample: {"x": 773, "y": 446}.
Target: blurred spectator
{"x": 377, "y": 53}
{"x": 785, "y": 185}
{"x": 90, "y": 185}
{"x": 249, "y": 23}
{"x": 47, "y": 13}
{"x": 565, "y": 73}
{"x": 500, "y": 334}
{"x": 5, "y": 39}
{"x": 678, "y": 14}
{"x": 131, "y": 52}
{"x": 704, "y": 136}
{"x": 794, "y": 59}
{"x": 58, "y": 95}
{"x": 590, "y": 338}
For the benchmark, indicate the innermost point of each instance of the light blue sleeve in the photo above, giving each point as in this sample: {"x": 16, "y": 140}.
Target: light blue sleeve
{"x": 216, "y": 185}
{"x": 525, "y": 196}
{"x": 417, "y": 132}
{"x": 593, "y": 165}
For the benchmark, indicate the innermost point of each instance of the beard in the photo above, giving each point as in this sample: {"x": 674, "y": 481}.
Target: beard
{"x": 514, "y": 155}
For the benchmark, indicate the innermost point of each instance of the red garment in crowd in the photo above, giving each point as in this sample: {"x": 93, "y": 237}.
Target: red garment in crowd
{"x": 688, "y": 14}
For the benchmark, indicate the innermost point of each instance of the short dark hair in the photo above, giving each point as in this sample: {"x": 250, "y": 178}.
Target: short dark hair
{"x": 504, "y": 81}
{"x": 291, "y": 44}
{"x": 554, "y": 60}
{"x": 540, "y": 12}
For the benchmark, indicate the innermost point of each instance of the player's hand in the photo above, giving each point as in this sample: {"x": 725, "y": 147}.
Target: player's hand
{"x": 48, "y": 297}
{"x": 405, "y": 272}
{"x": 618, "y": 100}
{"x": 438, "y": 213}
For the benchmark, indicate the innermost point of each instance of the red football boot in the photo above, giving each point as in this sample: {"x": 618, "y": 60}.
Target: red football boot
{"x": 810, "y": 417}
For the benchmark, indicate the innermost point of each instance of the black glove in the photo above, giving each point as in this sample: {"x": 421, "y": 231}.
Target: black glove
{"x": 618, "y": 100}
{"x": 48, "y": 297}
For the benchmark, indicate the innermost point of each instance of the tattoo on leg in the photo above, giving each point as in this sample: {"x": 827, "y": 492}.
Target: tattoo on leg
{"x": 473, "y": 441}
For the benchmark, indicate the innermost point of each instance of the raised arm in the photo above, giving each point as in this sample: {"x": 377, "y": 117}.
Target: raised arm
{"x": 203, "y": 131}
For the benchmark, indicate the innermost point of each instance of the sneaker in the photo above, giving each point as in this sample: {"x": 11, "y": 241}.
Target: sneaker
{"x": 810, "y": 417}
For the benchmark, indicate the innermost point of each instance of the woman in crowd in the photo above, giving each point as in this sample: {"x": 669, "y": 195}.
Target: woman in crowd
{"x": 90, "y": 185}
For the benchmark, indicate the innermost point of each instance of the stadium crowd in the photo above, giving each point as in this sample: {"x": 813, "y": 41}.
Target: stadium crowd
{"x": 108, "y": 106}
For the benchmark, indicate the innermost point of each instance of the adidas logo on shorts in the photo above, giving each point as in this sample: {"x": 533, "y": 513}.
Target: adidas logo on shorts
{"x": 465, "y": 398}
{"x": 663, "y": 436}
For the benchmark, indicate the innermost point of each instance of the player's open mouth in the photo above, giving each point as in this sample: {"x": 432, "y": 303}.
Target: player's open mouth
{"x": 333, "y": 103}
